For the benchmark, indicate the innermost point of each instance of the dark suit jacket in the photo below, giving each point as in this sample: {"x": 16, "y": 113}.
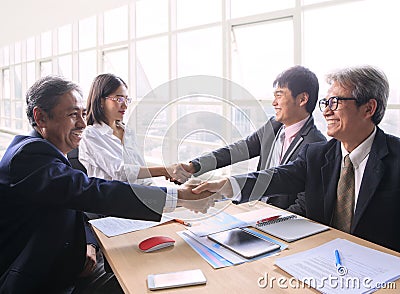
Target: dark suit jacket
{"x": 260, "y": 144}
{"x": 42, "y": 232}
{"x": 316, "y": 171}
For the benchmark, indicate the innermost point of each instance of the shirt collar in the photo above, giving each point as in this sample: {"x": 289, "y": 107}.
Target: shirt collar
{"x": 361, "y": 151}
{"x": 103, "y": 128}
{"x": 291, "y": 131}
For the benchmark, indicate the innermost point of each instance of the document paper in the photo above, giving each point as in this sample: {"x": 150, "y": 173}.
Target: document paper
{"x": 367, "y": 269}
{"x": 113, "y": 226}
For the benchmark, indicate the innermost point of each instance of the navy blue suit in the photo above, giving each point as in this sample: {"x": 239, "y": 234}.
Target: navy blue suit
{"x": 316, "y": 171}
{"x": 42, "y": 228}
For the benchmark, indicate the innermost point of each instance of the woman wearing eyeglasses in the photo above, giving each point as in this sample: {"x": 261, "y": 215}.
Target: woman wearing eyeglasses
{"x": 101, "y": 149}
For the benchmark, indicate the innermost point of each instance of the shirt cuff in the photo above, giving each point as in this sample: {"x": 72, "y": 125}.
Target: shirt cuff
{"x": 171, "y": 199}
{"x": 95, "y": 246}
{"x": 237, "y": 194}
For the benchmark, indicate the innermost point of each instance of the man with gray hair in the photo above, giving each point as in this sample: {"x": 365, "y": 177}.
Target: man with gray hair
{"x": 351, "y": 182}
{"x": 44, "y": 244}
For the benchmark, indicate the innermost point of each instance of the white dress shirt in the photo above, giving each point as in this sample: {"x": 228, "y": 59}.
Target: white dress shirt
{"x": 359, "y": 158}
{"x": 103, "y": 155}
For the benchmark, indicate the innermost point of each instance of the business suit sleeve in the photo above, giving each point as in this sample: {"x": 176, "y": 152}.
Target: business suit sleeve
{"x": 284, "y": 179}
{"x": 241, "y": 150}
{"x": 39, "y": 182}
{"x": 299, "y": 206}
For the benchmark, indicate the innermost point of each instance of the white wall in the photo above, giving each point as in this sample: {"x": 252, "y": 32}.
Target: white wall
{"x": 20, "y": 19}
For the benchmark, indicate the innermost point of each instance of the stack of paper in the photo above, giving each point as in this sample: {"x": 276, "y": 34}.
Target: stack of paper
{"x": 367, "y": 269}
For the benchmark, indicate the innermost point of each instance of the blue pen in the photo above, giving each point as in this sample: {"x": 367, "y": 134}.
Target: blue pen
{"x": 341, "y": 270}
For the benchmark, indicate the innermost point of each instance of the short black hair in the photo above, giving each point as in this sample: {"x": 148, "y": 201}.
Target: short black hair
{"x": 299, "y": 79}
{"x": 45, "y": 94}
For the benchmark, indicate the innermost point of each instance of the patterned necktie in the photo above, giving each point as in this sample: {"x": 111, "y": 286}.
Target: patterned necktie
{"x": 344, "y": 209}
{"x": 276, "y": 155}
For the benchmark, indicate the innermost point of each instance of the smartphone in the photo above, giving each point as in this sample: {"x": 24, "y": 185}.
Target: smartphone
{"x": 243, "y": 242}
{"x": 176, "y": 279}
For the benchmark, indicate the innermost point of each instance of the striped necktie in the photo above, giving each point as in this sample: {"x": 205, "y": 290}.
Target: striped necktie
{"x": 344, "y": 209}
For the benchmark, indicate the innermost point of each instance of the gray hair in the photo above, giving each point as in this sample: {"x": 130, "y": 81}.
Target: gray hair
{"x": 365, "y": 83}
{"x": 45, "y": 94}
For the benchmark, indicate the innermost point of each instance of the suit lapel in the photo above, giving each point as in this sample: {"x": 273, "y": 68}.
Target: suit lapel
{"x": 330, "y": 174}
{"x": 297, "y": 140}
{"x": 292, "y": 148}
{"x": 374, "y": 171}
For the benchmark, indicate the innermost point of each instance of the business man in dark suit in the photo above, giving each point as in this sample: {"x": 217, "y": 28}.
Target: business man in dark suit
{"x": 45, "y": 246}
{"x": 352, "y": 181}
{"x": 296, "y": 94}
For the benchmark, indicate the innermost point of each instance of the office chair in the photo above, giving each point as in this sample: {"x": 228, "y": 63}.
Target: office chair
{"x": 73, "y": 157}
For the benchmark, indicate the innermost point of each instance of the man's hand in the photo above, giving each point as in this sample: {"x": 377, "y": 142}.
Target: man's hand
{"x": 179, "y": 173}
{"x": 90, "y": 262}
{"x": 222, "y": 187}
{"x": 199, "y": 202}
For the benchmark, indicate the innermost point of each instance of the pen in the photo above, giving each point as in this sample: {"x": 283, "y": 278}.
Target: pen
{"x": 341, "y": 270}
{"x": 183, "y": 222}
{"x": 268, "y": 219}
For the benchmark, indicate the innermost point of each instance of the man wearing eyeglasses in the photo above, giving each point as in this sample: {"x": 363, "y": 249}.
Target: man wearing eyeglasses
{"x": 295, "y": 96}
{"x": 352, "y": 181}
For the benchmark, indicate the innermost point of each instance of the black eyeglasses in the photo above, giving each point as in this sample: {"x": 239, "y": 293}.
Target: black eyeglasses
{"x": 332, "y": 102}
{"x": 120, "y": 99}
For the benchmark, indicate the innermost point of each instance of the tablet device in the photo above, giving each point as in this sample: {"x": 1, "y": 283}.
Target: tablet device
{"x": 243, "y": 242}
{"x": 176, "y": 279}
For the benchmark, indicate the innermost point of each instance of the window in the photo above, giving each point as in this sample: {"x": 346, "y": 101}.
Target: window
{"x": 6, "y": 95}
{"x": 116, "y": 25}
{"x": 17, "y": 52}
{"x": 151, "y": 21}
{"x": 46, "y": 68}
{"x": 116, "y": 62}
{"x": 87, "y": 33}
{"x": 30, "y": 49}
{"x": 17, "y": 82}
{"x": 260, "y": 51}
{"x": 337, "y": 44}
{"x": 87, "y": 70}
{"x": 249, "y": 42}
{"x": 6, "y": 55}
{"x": 241, "y": 8}
{"x": 152, "y": 69}
{"x": 46, "y": 44}
{"x": 65, "y": 39}
{"x": 30, "y": 74}
{"x": 199, "y": 52}
{"x": 65, "y": 66}
{"x": 198, "y": 12}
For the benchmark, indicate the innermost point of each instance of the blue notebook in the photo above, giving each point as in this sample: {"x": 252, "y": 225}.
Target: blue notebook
{"x": 291, "y": 228}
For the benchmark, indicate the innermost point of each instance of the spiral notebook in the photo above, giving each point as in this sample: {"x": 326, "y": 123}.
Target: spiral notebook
{"x": 291, "y": 228}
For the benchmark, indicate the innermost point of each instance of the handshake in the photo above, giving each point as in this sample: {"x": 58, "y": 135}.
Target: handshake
{"x": 179, "y": 173}
{"x": 195, "y": 194}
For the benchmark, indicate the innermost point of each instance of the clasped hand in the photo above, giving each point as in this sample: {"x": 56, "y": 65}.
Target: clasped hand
{"x": 179, "y": 173}
{"x": 200, "y": 196}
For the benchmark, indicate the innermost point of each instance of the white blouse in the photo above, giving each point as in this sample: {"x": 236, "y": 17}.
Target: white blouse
{"x": 104, "y": 156}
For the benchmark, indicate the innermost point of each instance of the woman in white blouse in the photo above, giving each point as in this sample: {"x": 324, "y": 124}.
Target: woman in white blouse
{"x": 102, "y": 144}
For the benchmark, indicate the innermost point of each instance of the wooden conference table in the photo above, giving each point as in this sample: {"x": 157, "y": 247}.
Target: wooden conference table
{"x": 131, "y": 266}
